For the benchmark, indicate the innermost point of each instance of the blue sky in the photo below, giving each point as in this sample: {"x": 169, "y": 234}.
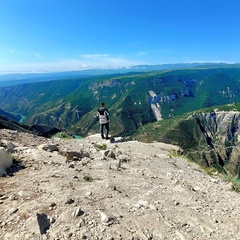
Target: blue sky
{"x": 63, "y": 35}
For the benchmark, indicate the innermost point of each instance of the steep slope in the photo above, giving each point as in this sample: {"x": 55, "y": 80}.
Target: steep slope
{"x": 209, "y": 136}
{"x": 133, "y": 99}
{"x": 130, "y": 190}
{"x": 39, "y": 130}
{"x": 8, "y": 115}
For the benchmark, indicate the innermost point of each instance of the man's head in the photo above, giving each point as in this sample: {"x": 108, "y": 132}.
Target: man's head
{"x": 102, "y": 104}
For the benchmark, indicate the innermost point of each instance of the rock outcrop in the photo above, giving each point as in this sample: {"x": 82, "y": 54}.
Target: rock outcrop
{"x": 97, "y": 189}
{"x": 221, "y": 131}
{"x": 5, "y": 161}
{"x": 36, "y": 129}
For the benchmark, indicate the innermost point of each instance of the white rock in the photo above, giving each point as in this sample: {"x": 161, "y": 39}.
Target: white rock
{"x": 26, "y": 194}
{"x": 88, "y": 194}
{"x": 13, "y": 197}
{"x": 10, "y": 147}
{"x": 124, "y": 158}
{"x": 104, "y": 217}
{"x": 142, "y": 203}
{"x": 13, "y": 210}
{"x": 5, "y": 161}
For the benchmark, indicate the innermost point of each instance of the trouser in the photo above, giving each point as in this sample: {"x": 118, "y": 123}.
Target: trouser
{"x": 106, "y": 125}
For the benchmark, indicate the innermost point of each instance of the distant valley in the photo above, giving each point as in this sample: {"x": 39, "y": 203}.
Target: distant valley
{"x": 10, "y": 79}
{"x": 133, "y": 99}
{"x": 195, "y": 108}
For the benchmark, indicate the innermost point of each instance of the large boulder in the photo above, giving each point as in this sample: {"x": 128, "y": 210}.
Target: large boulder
{"x": 5, "y": 161}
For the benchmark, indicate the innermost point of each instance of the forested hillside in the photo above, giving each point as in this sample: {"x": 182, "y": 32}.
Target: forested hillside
{"x": 133, "y": 99}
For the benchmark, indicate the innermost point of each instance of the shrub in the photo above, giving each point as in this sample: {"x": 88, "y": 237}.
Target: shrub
{"x": 100, "y": 146}
{"x": 62, "y": 135}
{"x": 88, "y": 178}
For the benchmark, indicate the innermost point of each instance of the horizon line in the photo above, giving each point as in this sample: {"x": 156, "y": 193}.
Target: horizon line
{"x": 111, "y": 67}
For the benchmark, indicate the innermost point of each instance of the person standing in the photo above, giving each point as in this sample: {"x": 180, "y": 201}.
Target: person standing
{"x": 103, "y": 118}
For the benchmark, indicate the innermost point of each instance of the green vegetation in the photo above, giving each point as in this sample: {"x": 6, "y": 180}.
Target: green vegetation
{"x": 62, "y": 135}
{"x": 208, "y": 137}
{"x": 235, "y": 182}
{"x": 71, "y": 104}
{"x": 101, "y": 146}
{"x": 88, "y": 178}
{"x": 236, "y": 185}
{"x": 209, "y": 170}
{"x": 186, "y": 98}
{"x": 17, "y": 160}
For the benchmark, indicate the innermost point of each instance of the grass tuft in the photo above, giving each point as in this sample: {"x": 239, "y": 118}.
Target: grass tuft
{"x": 88, "y": 178}
{"x": 101, "y": 146}
{"x": 62, "y": 135}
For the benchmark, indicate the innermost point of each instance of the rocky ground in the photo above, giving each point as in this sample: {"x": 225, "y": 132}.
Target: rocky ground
{"x": 97, "y": 189}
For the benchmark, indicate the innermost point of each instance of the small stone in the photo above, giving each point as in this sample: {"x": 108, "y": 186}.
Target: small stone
{"x": 72, "y": 154}
{"x": 78, "y": 212}
{"x": 52, "y": 220}
{"x": 43, "y": 222}
{"x": 3, "y": 197}
{"x": 48, "y": 147}
{"x": 13, "y": 197}
{"x": 53, "y": 204}
{"x": 88, "y": 194}
{"x": 71, "y": 165}
{"x": 10, "y": 147}
{"x": 13, "y": 210}
{"x": 124, "y": 158}
{"x": 142, "y": 203}
{"x": 107, "y": 219}
{"x": 80, "y": 223}
{"x": 26, "y": 194}
{"x": 69, "y": 201}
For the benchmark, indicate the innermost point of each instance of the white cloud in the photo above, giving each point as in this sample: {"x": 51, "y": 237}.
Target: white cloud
{"x": 38, "y": 55}
{"x": 87, "y": 61}
{"x": 94, "y": 56}
{"x": 142, "y": 53}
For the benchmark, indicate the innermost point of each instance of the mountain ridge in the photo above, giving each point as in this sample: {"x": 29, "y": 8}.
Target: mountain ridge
{"x": 20, "y": 78}
{"x": 71, "y": 104}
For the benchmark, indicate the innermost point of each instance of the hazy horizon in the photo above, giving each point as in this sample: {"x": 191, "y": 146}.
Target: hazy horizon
{"x": 115, "y": 68}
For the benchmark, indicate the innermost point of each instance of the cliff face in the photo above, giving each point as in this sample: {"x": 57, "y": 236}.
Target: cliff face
{"x": 210, "y": 137}
{"x": 221, "y": 132}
